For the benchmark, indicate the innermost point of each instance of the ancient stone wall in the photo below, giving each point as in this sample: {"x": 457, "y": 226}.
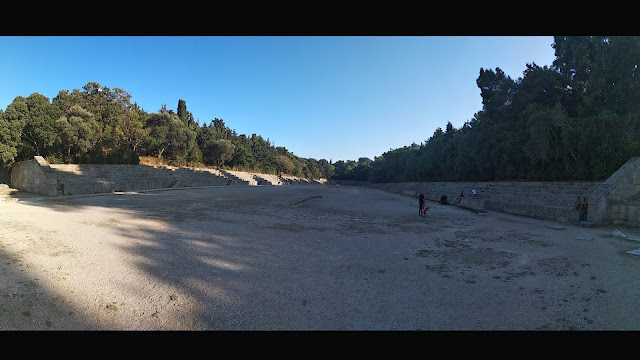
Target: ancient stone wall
{"x": 614, "y": 201}
{"x": 542, "y": 200}
{"x": 35, "y": 176}
{"x": 39, "y": 177}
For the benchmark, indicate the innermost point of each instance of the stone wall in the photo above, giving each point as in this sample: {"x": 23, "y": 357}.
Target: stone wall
{"x": 37, "y": 176}
{"x": 542, "y": 200}
{"x": 616, "y": 201}
{"x": 75, "y": 179}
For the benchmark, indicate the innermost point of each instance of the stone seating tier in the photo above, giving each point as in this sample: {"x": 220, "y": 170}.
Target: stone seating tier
{"x": 75, "y": 179}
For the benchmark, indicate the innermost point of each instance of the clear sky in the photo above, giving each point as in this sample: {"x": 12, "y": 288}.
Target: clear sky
{"x": 321, "y": 97}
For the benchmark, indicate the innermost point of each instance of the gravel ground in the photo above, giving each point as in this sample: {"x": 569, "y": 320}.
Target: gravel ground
{"x": 308, "y": 257}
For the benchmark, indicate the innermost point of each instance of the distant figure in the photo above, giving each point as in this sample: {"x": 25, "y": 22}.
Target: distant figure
{"x": 421, "y": 204}
{"x": 443, "y": 200}
{"x": 583, "y": 209}
{"x": 460, "y": 196}
{"x": 474, "y": 192}
{"x": 337, "y": 186}
{"x": 576, "y": 205}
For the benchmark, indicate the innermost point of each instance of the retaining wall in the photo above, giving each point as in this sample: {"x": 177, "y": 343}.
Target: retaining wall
{"x": 542, "y": 200}
{"x": 617, "y": 200}
{"x": 37, "y": 176}
{"x": 614, "y": 201}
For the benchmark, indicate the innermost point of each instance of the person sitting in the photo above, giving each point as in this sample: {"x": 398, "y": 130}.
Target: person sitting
{"x": 443, "y": 200}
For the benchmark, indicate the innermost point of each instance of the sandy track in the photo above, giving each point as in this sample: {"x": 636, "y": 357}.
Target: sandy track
{"x": 303, "y": 258}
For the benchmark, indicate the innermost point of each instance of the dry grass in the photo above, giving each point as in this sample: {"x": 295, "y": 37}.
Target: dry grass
{"x": 154, "y": 161}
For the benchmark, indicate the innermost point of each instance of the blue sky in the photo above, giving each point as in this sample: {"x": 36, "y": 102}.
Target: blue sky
{"x": 321, "y": 97}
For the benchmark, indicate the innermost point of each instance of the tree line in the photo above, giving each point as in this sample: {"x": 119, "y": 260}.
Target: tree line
{"x": 100, "y": 125}
{"x": 578, "y": 119}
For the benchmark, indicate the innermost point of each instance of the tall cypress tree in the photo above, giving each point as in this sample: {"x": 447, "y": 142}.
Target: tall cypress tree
{"x": 182, "y": 111}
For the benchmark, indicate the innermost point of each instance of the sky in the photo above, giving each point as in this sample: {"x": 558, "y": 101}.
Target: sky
{"x": 321, "y": 97}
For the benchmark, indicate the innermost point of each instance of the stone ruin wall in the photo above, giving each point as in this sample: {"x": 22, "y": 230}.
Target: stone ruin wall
{"x": 39, "y": 177}
{"x": 542, "y": 200}
{"x": 615, "y": 201}
{"x": 34, "y": 176}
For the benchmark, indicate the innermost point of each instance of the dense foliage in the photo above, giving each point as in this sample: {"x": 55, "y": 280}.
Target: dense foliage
{"x": 101, "y": 125}
{"x": 578, "y": 119}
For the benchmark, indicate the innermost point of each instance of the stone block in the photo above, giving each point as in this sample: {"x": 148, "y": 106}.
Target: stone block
{"x": 615, "y": 209}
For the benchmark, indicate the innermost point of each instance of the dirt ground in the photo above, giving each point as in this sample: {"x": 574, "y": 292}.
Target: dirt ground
{"x": 308, "y": 257}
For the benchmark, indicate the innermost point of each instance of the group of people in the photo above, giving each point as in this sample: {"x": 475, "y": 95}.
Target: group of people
{"x": 422, "y": 208}
{"x": 474, "y": 193}
{"x": 582, "y": 206}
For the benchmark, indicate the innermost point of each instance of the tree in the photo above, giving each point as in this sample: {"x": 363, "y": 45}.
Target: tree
{"x": 221, "y": 130}
{"x": 186, "y": 116}
{"x": 122, "y": 126}
{"x": 449, "y": 128}
{"x": 129, "y": 135}
{"x": 77, "y": 133}
{"x": 11, "y": 128}
{"x": 9, "y": 140}
{"x": 623, "y": 58}
{"x": 121, "y": 123}
{"x": 242, "y": 158}
{"x": 284, "y": 164}
{"x": 38, "y": 133}
{"x": 221, "y": 151}
{"x": 327, "y": 168}
{"x": 100, "y": 125}
{"x": 206, "y": 138}
{"x": 182, "y": 111}
{"x": 36, "y": 117}
{"x": 169, "y": 137}
{"x": 264, "y": 154}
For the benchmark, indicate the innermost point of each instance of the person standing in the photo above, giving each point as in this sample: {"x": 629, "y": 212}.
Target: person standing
{"x": 421, "y": 204}
{"x": 583, "y": 209}
{"x": 576, "y": 205}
